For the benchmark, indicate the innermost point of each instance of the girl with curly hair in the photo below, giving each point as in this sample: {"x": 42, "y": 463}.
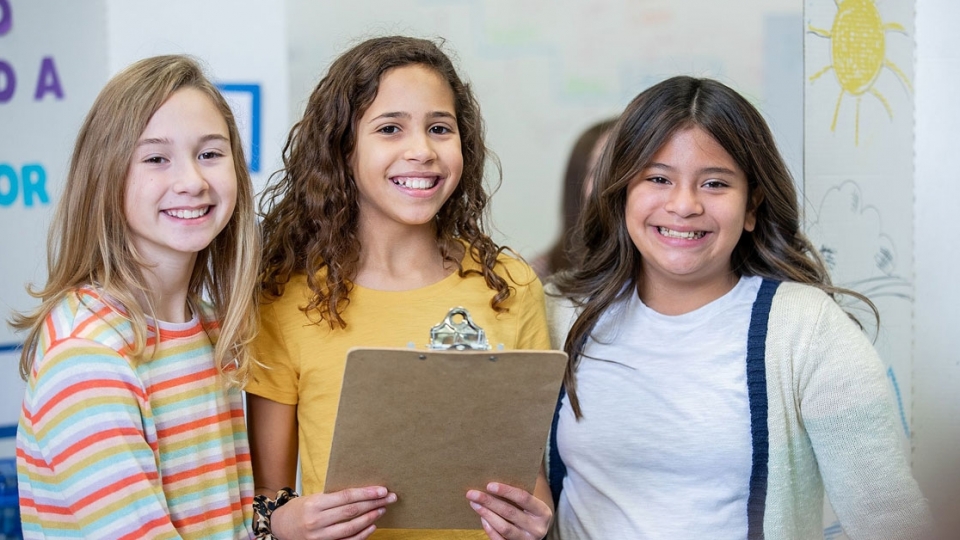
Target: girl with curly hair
{"x": 372, "y": 233}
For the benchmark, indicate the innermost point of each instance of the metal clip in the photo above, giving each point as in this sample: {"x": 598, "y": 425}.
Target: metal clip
{"x": 463, "y": 335}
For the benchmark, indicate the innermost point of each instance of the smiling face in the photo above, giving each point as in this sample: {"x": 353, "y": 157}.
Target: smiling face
{"x": 181, "y": 186}
{"x": 685, "y": 213}
{"x": 407, "y": 160}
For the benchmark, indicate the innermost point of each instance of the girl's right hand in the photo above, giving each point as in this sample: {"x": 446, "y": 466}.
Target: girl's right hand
{"x": 347, "y": 514}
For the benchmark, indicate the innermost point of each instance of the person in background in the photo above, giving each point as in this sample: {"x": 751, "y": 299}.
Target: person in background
{"x": 716, "y": 389}
{"x": 132, "y": 424}
{"x": 372, "y": 233}
{"x": 577, "y": 185}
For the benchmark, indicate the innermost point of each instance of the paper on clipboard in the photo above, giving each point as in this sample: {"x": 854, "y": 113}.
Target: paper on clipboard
{"x": 430, "y": 425}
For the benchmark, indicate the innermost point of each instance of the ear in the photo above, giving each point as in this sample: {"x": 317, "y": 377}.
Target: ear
{"x": 753, "y": 203}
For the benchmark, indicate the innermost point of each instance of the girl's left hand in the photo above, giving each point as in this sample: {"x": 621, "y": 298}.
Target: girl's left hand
{"x": 510, "y": 513}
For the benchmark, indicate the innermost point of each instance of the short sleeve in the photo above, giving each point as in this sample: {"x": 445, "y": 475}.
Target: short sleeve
{"x": 273, "y": 375}
{"x": 532, "y": 333}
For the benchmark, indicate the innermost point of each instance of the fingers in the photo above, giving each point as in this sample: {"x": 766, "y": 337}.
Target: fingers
{"x": 510, "y": 513}
{"x": 345, "y": 497}
{"x": 347, "y": 514}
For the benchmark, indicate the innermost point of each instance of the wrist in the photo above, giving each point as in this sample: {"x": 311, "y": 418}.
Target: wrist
{"x": 263, "y": 509}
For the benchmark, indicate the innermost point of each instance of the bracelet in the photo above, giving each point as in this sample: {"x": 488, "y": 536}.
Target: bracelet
{"x": 263, "y": 508}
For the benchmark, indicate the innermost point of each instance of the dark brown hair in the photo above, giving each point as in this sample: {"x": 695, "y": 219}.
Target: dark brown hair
{"x": 610, "y": 264}
{"x": 310, "y": 216}
{"x": 558, "y": 256}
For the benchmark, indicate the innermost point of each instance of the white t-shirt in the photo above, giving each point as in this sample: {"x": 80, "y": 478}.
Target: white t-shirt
{"x": 663, "y": 449}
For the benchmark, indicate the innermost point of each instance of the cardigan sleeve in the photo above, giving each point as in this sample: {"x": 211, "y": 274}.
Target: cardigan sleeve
{"x": 849, "y": 413}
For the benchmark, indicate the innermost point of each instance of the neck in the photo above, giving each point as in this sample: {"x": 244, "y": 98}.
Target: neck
{"x": 400, "y": 260}
{"x": 167, "y": 286}
{"x": 678, "y": 299}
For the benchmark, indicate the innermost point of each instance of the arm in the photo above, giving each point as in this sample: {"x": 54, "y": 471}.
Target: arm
{"x": 89, "y": 449}
{"x": 273, "y": 445}
{"x": 850, "y": 415}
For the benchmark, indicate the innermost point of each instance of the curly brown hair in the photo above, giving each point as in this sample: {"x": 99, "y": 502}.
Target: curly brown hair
{"x": 310, "y": 216}
{"x": 608, "y": 266}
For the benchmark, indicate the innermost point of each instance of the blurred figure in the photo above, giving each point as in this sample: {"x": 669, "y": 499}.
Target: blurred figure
{"x": 577, "y": 185}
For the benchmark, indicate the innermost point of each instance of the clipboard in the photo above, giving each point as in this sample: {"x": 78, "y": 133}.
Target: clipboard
{"x": 431, "y": 424}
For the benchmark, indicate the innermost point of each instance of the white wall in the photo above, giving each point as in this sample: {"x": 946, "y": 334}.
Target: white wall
{"x": 545, "y": 70}
{"x": 936, "y": 348}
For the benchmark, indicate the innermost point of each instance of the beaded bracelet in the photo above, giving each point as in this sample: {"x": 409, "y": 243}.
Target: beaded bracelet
{"x": 263, "y": 508}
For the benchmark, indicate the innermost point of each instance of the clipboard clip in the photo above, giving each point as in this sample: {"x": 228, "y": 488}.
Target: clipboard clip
{"x": 461, "y": 336}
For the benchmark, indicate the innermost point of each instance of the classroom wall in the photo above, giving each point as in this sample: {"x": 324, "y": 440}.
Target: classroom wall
{"x": 936, "y": 346}
{"x": 544, "y": 70}
{"x": 52, "y": 64}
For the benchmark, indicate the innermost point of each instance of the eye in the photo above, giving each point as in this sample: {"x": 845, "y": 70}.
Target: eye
{"x": 389, "y": 130}
{"x": 714, "y": 184}
{"x": 440, "y": 130}
{"x": 155, "y": 160}
{"x": 658, "y": 180}
{"x": 211, "y": 154}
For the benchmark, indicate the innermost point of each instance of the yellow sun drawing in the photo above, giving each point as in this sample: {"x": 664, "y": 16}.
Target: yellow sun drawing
{"x": 858, "y": 50}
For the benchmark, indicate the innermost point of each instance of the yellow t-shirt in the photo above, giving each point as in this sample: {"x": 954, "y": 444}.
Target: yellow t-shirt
{"x": 307, "y": 360}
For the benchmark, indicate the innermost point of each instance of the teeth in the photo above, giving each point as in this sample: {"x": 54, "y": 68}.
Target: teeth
{"x": 693, "y": 235}
{"x": 415, "y": 183}
{"x": 188, "y": 214}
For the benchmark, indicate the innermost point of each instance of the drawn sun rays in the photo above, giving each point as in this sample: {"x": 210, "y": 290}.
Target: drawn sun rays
{"x": 859, "y": 52}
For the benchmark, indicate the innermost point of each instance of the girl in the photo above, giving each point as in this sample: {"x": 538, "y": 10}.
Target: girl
{"x": 132, "y": 424}
{"x": 373, "y": 232}
{"x": 577, "y": 185}
{"x": 715, "y": 387}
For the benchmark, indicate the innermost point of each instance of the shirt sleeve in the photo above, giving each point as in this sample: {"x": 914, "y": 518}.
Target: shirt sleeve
{"x": 273, "y": 375}
{"x": 88, "y": 444}
{"x": 849, "y": 413}
{"x": 532, "y": 333}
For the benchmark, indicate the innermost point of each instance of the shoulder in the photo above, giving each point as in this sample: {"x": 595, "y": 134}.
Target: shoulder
{"x": 562, "y": 312}
{"x": 88, "y": 314}
{"x": 515, "y": 270}
{"x": 804, "y": 304}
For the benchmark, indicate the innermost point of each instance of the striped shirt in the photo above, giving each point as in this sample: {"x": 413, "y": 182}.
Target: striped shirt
{"x": 107, "y": 448}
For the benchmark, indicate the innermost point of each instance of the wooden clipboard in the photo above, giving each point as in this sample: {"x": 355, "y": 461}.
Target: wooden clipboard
{"x": 431, "y": 424}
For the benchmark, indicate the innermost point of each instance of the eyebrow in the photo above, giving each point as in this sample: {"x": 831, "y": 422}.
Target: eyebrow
{"x": 165, "y": 140}
{"x": 406, "y": 115}
{"x": 705, "y": 170}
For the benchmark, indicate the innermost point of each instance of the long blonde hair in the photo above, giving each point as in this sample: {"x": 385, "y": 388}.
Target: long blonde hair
{"x": 89, "y": 239}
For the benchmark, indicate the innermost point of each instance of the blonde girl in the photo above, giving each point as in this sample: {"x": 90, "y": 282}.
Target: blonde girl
{"x": 132, "y": 423}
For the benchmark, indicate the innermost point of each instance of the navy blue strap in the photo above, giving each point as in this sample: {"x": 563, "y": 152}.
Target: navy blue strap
{"x": 757, "y": 393}
{"x": 556, "y": 470}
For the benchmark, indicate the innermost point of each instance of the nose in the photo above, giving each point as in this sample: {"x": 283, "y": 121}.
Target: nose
{"x": 190, "y": 179}
{"x": 420, "y": 148}
{"x": 684, "y": 201}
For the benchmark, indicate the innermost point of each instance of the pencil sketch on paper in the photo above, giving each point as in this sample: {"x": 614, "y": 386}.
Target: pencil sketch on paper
{"x": 859, "y": 52}
{"x": 860, "y": 256}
